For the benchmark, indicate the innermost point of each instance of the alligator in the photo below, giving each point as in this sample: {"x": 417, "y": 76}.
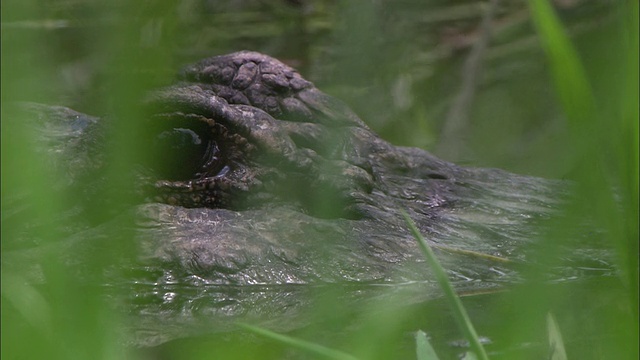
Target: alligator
{"x": 251, "y": 176}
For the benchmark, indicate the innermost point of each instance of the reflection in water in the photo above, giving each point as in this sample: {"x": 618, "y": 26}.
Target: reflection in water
{"x": 198, "y": 315}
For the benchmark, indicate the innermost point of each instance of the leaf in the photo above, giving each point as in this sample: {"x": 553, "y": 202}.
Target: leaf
{"x": 306, "y": 346}
{"x": 556, "y": 345}
{"x": 568, "y": 73}
{"x": 469, "y": 356}
{"x": 424, "y": 350}
{"x": 460, "y": 314}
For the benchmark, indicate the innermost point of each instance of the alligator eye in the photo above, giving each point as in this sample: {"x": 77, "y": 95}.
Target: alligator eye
{"x": 183, "y": 152}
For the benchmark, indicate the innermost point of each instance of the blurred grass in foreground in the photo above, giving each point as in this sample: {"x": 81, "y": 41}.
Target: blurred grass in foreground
{"x": 62, "y": 320}
{"x": 460, "y": 314}
{"x": 603, "y": 136}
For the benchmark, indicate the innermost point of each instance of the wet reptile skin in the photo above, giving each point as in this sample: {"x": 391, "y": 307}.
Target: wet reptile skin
{"x": 276, "y": 179}
{"x": 257, "y": 178}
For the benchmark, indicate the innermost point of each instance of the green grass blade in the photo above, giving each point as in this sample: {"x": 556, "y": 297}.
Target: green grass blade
{"x": 476, "y": 254}
{"x": 460, "y": 314}
{"x": 567, "y": 71}
{"x": 424, "y": 350}
{"x": 469, "y": 356}
{"x": 556, "y": 345}
{"x": 299, "y": 344}
{"x": 605, "y": 142}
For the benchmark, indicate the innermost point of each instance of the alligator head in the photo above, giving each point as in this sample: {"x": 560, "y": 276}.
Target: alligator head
{"x": 252, "y": 176}
{"x": 263, "y": 179}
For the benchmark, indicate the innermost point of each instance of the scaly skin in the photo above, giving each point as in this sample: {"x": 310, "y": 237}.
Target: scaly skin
{"x": 265, "y": 180}
{"x": 307, "y": 158}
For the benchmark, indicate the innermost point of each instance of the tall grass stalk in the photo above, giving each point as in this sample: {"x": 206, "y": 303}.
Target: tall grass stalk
{"x": 305, "y": 346}
{"x": 460, "y": 314}
{"x": 603, "y": 123}
{"x": 556, "y": 344}
{"x": 605, "y": 140}
{"x": 424, "y": 350}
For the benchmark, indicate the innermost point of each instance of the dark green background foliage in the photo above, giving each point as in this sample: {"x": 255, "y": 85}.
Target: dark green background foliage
{"x": 401, "y": 66}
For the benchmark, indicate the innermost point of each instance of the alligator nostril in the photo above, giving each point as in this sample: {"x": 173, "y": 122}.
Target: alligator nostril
{"x": 437, "y": 176}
